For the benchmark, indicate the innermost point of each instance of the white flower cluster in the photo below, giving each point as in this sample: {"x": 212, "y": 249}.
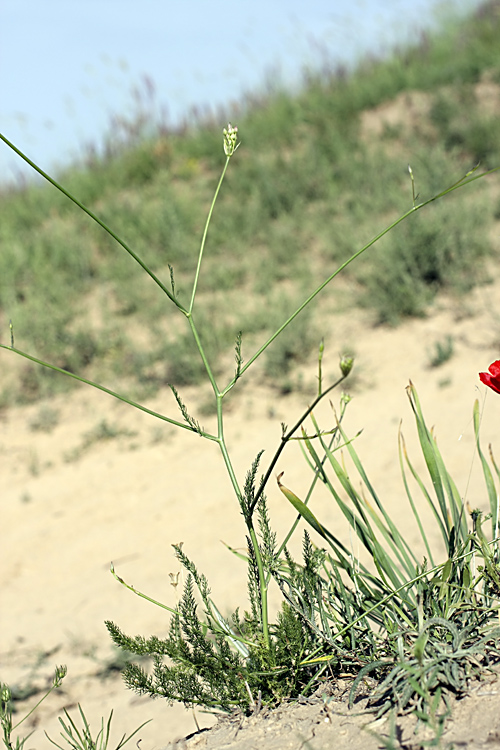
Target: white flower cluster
{"x": 230, "y": 138}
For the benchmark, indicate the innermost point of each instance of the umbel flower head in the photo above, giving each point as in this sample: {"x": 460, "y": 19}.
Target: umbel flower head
{"x": 492, "y": 378}
{"x": 230, "y": 138}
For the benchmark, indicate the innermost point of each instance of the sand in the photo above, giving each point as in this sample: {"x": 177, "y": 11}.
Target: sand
{"x": 68, "y": 510}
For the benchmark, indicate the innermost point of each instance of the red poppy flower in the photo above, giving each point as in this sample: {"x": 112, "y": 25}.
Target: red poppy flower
{"x": 492, "y": 378}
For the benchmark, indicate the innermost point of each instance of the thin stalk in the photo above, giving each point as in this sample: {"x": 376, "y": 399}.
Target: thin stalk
{"x": 317, "y": 474}
{"x": 204, "y": 238}
{"x": 234, "y": 481}
{"x": 106, "y": 390}
{"x": 225, "y": 453}
{"x": 285, "y": 439}
{"x": 95, "y": 218}
{"x": 199, "y": 346}
{"x": 60, "y": 674}
{"x": 263, "y": 583}
{"x": 139, "y": 593}
{"x": 460, "y": 183}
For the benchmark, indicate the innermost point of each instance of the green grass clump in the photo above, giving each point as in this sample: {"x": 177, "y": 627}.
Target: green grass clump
{"x": 76, "y": 738}
{"x": 423, "y": 626}
{"x": 420, "y": 259}
{"x": 442, "y": 351}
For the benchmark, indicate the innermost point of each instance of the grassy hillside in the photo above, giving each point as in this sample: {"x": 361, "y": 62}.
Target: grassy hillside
{"x": 317, "y": 175}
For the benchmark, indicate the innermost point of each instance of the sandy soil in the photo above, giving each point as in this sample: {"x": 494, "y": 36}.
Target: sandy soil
{"x": 68, "y": 510}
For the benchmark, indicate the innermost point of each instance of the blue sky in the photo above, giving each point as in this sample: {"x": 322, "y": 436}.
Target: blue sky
{"x": 66, "y": 66}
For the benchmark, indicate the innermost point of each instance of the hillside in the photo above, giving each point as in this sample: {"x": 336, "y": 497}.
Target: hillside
{"x": 318, "y": 174}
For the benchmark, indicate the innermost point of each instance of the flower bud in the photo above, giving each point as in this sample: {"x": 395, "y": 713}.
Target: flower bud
{"x": 346, "y": 364}
{"x": 345, "y": 398}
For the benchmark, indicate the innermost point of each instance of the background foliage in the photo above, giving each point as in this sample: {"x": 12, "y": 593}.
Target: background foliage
{"x": 314, "y": 182}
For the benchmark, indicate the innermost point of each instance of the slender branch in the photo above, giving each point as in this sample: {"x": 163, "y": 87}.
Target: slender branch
{"x": 226, "y": 457}
{"x": 316, "y": 476}
{"x": 106, "y": 390}
{"x": 285, "y": 439}
{"x": 205, "y": 232}
{"x": 139, "y": 593}
{"x": 460, "y": 183}
{"x": 95, "y": 218}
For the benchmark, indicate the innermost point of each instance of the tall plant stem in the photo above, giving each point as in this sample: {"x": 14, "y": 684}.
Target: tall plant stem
{"x": 263, "y": 578}
{"x": 201, "y": 350}
{"x": 205, "y": 233}
{"x": 263, "y": 581}
{"x": 316, "y": 477}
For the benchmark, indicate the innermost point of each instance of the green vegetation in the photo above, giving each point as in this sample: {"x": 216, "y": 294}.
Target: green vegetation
{"x": 82, "y": 739}
{"x": 316, "y": 173}
{"x": 421, "y": 625}
{"x": 442, "y": 352}
{"x": 6, "y": 710}
{"x": 74, "y": 737}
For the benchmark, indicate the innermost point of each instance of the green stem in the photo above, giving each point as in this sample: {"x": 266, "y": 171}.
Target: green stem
{"x": 285, "y": 439}
{"x": 220, "y": 423}
{"x": 234, "y": 481}
{"x": 139, "y": 593}
{"x": 97, "y": 221}
{"x": 54, "y": 686}
{"x": 105, "y": 390}
{"x": 263, "y": 581}
{"x": 199, "y": 346}
{"x": 225, "y": 453}
{"x": 204, "y": 238}
{"x": 317, "y": 475}
{"x": 460, "y": 183}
